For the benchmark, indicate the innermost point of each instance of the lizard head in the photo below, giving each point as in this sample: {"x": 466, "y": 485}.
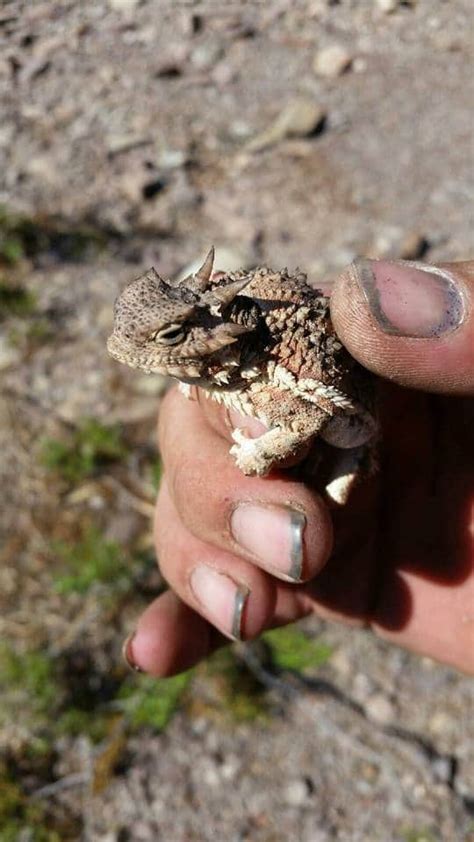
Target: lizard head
{"x": 179, "y": 328}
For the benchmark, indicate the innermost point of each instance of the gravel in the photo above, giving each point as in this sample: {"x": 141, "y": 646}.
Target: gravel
{"x": 168, "y": 127}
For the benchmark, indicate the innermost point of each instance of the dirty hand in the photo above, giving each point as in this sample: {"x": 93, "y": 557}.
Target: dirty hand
{"x": 244, "y": 554}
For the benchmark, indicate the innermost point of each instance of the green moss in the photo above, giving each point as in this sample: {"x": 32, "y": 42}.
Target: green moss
{"x": 91, "y": 446}
{"x": 152, "y": 702}
{"x": 239, "y": 695}
{"x": 292, "y": 650}
{"x": 73, "y": 722}
{"x": 39, "y": 331}
{"x": 29, "y": 699}
{"x": 13, "y": 237}
{"x": 11, "y": 250}
{"x": 92, "y": 559}
{"x": 30, "y": 826}
{"x": 22, "y": 236}
{"x": 156, "y": 470}
{"x": 35, "y": 687}
{"x": 28, "y": 680}
{"x": 15, "y": 300}
{"x": 414, "y": 835}
{"x": 11, "y": 799}
{"x": 21, "y": 818}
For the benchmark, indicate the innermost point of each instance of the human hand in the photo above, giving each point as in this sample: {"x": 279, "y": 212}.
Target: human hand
{"x": 398, "y": 557}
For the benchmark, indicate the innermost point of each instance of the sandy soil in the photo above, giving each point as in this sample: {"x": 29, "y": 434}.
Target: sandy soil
{"x": 137, "y": 133}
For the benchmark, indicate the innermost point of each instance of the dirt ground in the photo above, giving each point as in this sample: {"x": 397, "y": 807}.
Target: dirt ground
{"x": 135, "y": 134}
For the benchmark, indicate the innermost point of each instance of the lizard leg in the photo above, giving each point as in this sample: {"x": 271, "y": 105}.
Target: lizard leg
{"x": 350, "y": 466}
{"x": 260, "y": 455}
{"x": 292, "y": 423}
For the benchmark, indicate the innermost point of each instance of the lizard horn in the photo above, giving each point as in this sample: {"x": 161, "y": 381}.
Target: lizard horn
{"x": 202, "y": 276}
{"x": 227, "y": 293}
{"x": 198, "y": 281}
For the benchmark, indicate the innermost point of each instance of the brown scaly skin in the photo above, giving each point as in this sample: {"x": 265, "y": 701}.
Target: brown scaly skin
{"x": 260, "y": 342}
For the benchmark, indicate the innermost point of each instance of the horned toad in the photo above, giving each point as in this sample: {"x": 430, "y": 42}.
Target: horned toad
{"x": 261, "y": 342}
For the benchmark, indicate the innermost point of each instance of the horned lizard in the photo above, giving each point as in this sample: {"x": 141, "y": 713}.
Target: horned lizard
{"x": 261, "y": 342}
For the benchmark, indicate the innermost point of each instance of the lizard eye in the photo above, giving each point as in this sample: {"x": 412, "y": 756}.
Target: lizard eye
{"x": 169, "y": 335}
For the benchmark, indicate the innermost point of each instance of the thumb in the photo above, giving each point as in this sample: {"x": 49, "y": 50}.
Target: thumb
{"x": 409, "y": 322}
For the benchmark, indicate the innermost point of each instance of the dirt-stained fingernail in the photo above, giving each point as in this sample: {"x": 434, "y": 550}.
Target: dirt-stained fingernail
{"x": 127, "y": 653}
{"x": 222, "y": 599}
{"x": 274, "y": 535}
{"x": 410, "y": 299}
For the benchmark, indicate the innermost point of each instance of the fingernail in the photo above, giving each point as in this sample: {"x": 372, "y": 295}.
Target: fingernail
{"x": 274, "y": 535}
{"x": 222, "y": 599}
{"x": 410, "y": 299}
{"x": 127, "y": 653}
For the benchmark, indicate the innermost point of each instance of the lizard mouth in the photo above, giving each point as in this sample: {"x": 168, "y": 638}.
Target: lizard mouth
{"x": 113, "y": 347}
{"x": 184, "y": 368}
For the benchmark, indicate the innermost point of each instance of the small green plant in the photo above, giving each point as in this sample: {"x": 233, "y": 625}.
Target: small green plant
{"x": 414, "y": 835}
{"x": 152, "y": 702}
{"x": 39, "y": 331}
{"x": 292, "y": 650}
{"x": 11, "y": 245}
{"x": 28, "y": 828}
{"x": 91, "y": 446}
{"x": 21, "y": 818}
{"x": 156, "y": 470}
{"x": 74, "y": 722}
{"x": 28, "y": 680}
{"x": 239, "y": 695}
{"x": 11, "y": 250}
{"x": 15, "y": 300}
{"x": 90, "y": 560}
{"x": 21, "y": 236}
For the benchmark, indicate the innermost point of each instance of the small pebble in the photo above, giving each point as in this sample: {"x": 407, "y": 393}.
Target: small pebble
{"x": 205, "y": 56}
{"x": 123, "y": 5}
{"x": 441, "y": 724}
{"x": 380, "y": 709}
{"x": 223, "y": 74}
{"x": 332, "y": 61}
{"x": 387, "y": 5}
{"x": 297, "y": 792}
{"x": 359, "y": 65}
{"x": 239, "y": 129}
{"x": 443, "y": 769}
{"x": 170, "y": 159}
{"x": 230, "y": 768}
{"x": 413, "y": 246}
{"x": 211, "y": 776}
{"x": 121, "y": 142}
{"x": 9, "y": 355}
{"x": 43, "y": 168}
{"x": 395, "y": 244}
{"x": 362, "y": 686}
{"x": 301, "y": 117}
{"x": 341, "y": 663}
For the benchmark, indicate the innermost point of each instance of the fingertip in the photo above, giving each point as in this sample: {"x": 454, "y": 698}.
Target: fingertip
{"x": 408, "y": 322}
{"x": 169, "y": 638}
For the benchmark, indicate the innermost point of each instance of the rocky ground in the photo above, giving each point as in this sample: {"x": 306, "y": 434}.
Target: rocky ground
{"x": 138, "y": 133}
